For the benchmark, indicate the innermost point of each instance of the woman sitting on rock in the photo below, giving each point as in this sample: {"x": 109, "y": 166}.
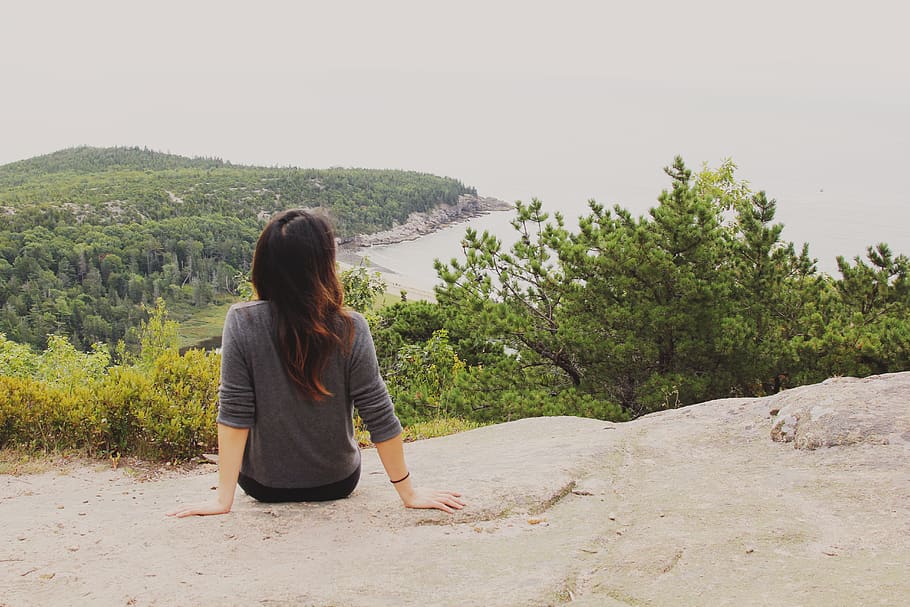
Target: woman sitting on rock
{"x": 294, "y": 365}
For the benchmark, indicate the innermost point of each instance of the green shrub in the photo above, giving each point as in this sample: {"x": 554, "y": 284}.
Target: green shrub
{"x": 429, "y": 382}
{"x": 165, "y": 412}
{"x": 422, "y": 376}
{"x": 176, "y": 419}
{"x": 490, "y": 395}
{"x": 16, "y": 360}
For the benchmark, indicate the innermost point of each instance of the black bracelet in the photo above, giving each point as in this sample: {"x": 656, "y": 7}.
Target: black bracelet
{"x": 401, "y": 479}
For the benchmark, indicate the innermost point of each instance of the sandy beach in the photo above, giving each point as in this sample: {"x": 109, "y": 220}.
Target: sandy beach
{"x": 395, "y": 282}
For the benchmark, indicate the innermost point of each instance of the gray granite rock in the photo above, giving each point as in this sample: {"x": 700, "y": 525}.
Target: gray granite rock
{"x": 693, "y": 506}
{"x": 843, "y": 411}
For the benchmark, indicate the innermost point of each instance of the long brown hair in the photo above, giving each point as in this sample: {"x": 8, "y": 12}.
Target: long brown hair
{"x": 294, "y": 269}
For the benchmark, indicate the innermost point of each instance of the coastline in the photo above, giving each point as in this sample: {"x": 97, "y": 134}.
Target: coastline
{"x": 422, "y": 223}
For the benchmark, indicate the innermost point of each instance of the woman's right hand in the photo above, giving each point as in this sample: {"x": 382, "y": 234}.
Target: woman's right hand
{"x": 391, "y": 452}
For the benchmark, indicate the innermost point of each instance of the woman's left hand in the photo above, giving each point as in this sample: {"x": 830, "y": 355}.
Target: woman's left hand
{"x": 231, "y": 445}
{"x": 205, "y": 509}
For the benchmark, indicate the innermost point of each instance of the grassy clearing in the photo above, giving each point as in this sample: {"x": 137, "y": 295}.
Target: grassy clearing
{"x": 202, "y": 324}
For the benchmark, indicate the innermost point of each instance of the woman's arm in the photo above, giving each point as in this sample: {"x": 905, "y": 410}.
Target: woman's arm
{"x": 231, "y": 444}
{"x": 391, "y": 452}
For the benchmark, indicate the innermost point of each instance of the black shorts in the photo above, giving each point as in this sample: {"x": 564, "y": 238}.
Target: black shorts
{"x": 322, "y": 493}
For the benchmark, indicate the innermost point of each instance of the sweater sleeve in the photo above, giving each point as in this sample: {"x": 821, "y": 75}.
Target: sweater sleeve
{"x": 368, "y": 390}
{"x": 236, "y": 397}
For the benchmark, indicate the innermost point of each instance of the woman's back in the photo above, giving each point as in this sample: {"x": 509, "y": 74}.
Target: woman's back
{"x": 297, "y": 441}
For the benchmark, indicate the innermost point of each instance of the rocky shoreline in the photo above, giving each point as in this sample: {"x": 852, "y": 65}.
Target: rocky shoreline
{"x": 420, "y": 224}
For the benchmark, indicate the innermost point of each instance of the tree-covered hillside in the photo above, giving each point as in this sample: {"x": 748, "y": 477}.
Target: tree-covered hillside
{"x": 90, "y": 235}
{"x": 127, "y": 185}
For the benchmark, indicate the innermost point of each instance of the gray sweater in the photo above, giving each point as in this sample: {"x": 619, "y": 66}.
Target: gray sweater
{"x": 295, "y": 442}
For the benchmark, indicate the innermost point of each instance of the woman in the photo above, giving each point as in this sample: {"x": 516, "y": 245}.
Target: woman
{"x": 294, "y": 365}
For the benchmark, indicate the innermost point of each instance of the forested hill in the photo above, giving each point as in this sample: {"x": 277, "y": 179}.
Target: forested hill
{"x": 124, "y": 185}
{"x": 89, "y": 235}
{"x": 95, "y": 160}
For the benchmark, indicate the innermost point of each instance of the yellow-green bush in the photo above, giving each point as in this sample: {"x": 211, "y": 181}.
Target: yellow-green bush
{"x": 166, "y": 411}
{"x": 157, "y": 403}
{"x": 22, "y": 403}
{"x": 36, "y": 416}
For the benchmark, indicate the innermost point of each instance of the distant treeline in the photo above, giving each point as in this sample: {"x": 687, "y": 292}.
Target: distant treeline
{"x": 90, "y": 235}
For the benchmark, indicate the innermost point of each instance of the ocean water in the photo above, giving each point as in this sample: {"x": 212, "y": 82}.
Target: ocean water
{"x": 832, "y": 224}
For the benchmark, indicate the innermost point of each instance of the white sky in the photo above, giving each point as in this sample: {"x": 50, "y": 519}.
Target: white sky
{"x": 561, "y": 100}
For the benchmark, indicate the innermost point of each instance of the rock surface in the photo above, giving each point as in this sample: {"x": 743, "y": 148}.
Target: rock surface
{"x": 843, "y": 411}
{"x": 695, "y": 506}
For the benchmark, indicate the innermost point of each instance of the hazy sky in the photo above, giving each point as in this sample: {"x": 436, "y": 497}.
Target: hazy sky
{"x": 561, "y": 100}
